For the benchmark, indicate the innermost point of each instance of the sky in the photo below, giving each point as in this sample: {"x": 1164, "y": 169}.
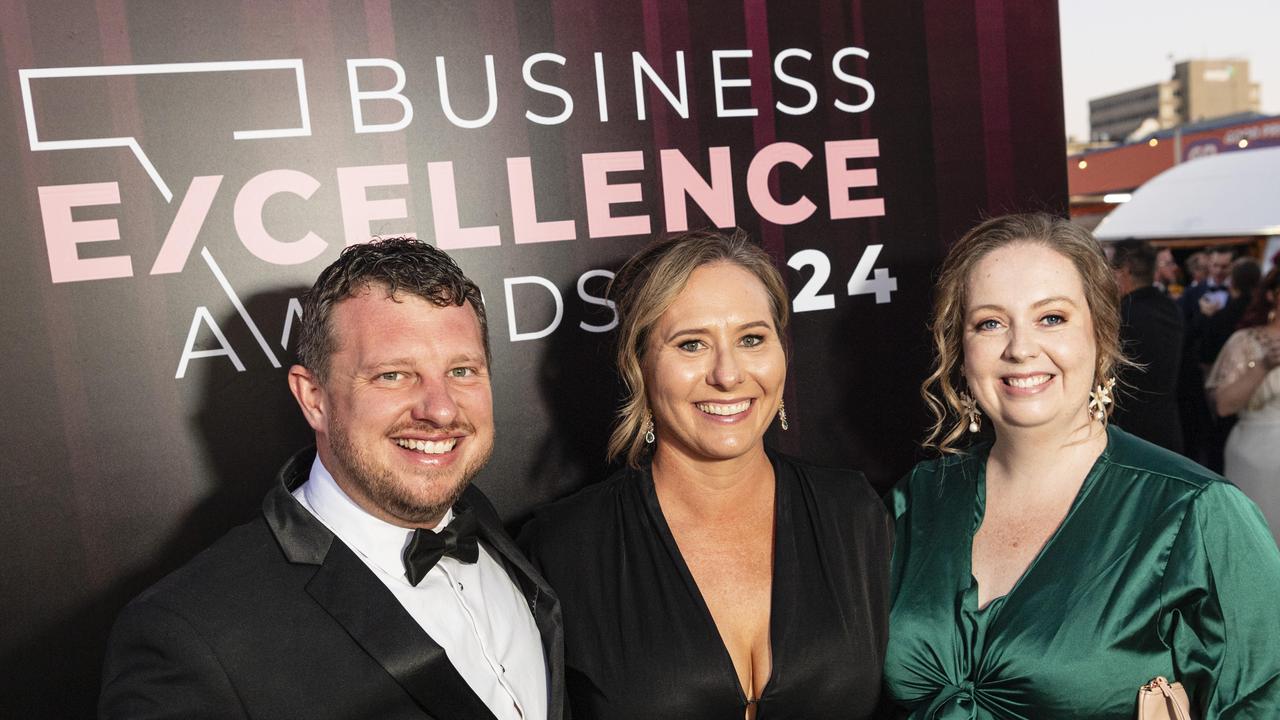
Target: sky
{"x": 1114, "y": 45}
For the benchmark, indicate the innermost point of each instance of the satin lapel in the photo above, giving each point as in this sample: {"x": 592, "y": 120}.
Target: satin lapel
{"x": 302, "y": 538}
{"x": 543, "y": 603}
{"x": 350, "y": 593}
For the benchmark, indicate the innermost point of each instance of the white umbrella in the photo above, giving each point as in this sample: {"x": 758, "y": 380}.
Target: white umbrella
{"x": 1234, "y": 194}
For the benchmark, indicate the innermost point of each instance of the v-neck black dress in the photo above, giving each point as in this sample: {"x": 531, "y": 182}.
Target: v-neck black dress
{"x": 640, "y": 642}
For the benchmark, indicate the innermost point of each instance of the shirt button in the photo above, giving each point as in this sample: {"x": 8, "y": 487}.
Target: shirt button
{"x": 460, "y": 588}
{"x": 503, "y": 668}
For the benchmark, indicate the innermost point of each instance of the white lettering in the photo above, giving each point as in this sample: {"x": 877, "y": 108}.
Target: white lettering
{"x": 516, "y": 335}
{"x": 564, "y": 96}
{"x": 358, "y": 96}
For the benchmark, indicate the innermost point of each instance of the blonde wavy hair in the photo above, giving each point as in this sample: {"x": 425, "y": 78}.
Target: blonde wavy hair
{"x": 941, "y": 390}
{"x": 643, "y": 289}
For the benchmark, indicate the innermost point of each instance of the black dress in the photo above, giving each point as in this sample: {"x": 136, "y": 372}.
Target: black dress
{"x": 640, "y": 641}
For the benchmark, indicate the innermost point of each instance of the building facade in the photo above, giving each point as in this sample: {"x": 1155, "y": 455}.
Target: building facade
{"x": 1199, "y": 90}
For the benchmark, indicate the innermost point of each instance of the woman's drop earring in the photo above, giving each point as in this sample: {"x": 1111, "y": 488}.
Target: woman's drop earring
{"x": 649, "y": 437}
{"x": 782, "y": 415}
{"x": 1100, "y": 398}
{"x": 969, "y": 408}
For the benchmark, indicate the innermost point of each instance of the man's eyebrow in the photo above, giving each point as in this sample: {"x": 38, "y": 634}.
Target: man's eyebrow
{"x": 389, "y": 363}
{"x": 468, "y": 358}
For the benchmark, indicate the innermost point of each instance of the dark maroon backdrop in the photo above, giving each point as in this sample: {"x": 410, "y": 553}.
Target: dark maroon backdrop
{"x": 116, "y": 471}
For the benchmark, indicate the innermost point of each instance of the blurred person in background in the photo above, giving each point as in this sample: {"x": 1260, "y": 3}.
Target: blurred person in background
{"x": 1220, "y": 260}
{"x": 1209, "y": 295}
{"x": 1218, "y": 325}
{"x": 1197, "y": 268}
{"x": 1151, "y": 333}
{"x": 1197, "y": 420}
{"x": 1167, "y": 277}
{"x": 1245, "y": 380}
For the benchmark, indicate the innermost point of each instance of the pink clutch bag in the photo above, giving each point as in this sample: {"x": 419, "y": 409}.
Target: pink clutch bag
{"x": 1162, "y": 700}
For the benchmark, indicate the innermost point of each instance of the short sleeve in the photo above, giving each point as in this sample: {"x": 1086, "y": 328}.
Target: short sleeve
{"x": 1241, "y": 348}
{"x": 1220, "y": 607}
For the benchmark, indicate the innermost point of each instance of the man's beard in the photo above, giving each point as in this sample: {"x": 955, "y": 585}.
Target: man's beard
{"x": 396, "y": 496}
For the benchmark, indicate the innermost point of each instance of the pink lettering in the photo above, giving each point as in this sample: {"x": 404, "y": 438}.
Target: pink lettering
{"x": 248, "y": 217}
{"x": 62, "y": 233}
{"x": 450, "y": 235}
{"x": 600, "y": 195}
{"x": 524, "y": 210}
{"x": 840, "y": 179}
{"x": 358, "y": 211}
{"x": 769, "y": 208}
{"x": 186, "y": 224}
{"x": 680, "y": 179}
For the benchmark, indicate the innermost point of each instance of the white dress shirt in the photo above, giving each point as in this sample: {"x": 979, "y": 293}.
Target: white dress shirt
{"x": 472, "y": 610}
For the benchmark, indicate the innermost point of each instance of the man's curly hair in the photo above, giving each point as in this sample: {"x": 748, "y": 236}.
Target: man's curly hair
{"x": 396, "y": 265}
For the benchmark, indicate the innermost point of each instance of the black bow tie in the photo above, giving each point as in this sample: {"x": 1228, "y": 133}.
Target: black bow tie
{"x": 426, "y": 547}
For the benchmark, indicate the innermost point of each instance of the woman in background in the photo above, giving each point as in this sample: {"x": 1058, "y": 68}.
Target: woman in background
{"x": 1052, "y": 572}
{"x": 713, "y": 578}
{"x": 1245, "y": 380}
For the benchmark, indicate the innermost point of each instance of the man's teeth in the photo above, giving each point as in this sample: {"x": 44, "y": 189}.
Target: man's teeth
{"x": 430, "y": 447}
{"x": 721, "y": 409}
{"x": 1027, "y": 382}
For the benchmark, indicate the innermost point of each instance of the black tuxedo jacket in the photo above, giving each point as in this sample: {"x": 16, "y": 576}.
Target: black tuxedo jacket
{"x": 1151, "y": 334}
{"x": 280, "y": 619}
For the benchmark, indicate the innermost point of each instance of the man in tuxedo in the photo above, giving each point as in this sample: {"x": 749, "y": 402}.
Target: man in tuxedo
{"x": 377, "y": 583}
{"x": 1151, "y": 332}
{"x": 1209, "y": 292}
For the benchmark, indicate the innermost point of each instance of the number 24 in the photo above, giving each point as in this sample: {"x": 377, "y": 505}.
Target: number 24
{"x": 861, "y": 282}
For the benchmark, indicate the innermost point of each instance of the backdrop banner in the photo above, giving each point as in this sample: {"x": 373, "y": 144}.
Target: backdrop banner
{"x": 178, "y": 172}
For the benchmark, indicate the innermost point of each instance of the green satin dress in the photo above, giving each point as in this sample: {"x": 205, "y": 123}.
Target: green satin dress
{"x": 1159, "y": 568}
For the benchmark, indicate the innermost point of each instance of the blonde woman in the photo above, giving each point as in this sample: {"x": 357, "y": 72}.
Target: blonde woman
{"x": 713, "y": 578}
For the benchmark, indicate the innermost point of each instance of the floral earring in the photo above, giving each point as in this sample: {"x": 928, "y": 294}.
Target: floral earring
{"x": 1100, "y": 398}
{"x": 969, "y": 409}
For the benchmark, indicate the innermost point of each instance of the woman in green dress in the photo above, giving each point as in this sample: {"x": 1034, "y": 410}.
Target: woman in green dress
{"x": 1055, "y": 564}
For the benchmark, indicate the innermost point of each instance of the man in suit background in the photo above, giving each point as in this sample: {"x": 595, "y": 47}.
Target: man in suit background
{"x": 1151, "y": 331}
{"x": 1166, "y": 276}
{"x": 1218, "y": 325}
{"x": 1208, "y": 291}
{"x": 377, "y": 582}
